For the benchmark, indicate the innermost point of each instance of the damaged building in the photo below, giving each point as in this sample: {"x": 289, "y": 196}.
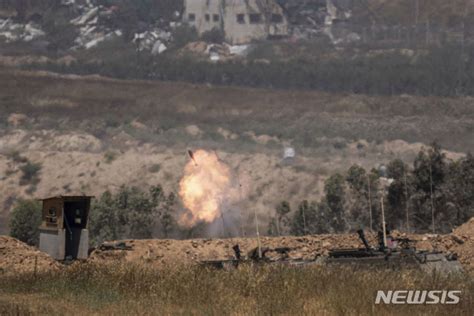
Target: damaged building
{"x": 241, "y": 21}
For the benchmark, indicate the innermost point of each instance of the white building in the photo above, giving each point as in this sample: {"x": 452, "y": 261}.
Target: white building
{"x": 242, "y": 21}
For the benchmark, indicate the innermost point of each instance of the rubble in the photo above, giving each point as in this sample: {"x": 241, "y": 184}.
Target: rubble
{"x": 153, "y": 40}
{"x": 15, "y": 32}
{"x": 315, "y": 18}
{"x": 92, "y": 30}
{"x": 216, "y": 52}
{"x": 306, "y": 19}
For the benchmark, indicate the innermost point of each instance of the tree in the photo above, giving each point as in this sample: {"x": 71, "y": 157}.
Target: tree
{"x": 130, "y": 213}
{"x": 183, "y": 35}
{"x": 335, "y": 199}
{"x": 272, "y": 227}
{"x": 399, "y": 194}
{"x": 282, "y": 211}
{"x": 429, "y": 175}
{"x": 360, "y": 199}
{"x": 430, "y": 168}
{"x": 459, "y": 191}
{"x": 141, "y": 211}
{"x": 357, "y": 179}
{"x": 311, "y": 218}
{"x": 167, "y": 220}
{"x": 104, "y": 220}
{"x": 25, "y": 220}
{"x": 300, "y": 222}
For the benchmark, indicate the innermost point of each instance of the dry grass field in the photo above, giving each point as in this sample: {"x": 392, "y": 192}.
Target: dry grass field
{"x": 88, "y": 289}
{"x": 96, "y": 105}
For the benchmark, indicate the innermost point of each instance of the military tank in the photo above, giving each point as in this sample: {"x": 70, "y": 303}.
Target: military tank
{"x": 394, "y": 253}
{"x": 390, "y": 253}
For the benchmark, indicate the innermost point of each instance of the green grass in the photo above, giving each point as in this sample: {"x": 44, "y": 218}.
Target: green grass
{"x": 249, "y": 290}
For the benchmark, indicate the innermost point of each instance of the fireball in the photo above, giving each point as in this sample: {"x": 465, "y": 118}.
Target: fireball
{"x": 205, "y": 187}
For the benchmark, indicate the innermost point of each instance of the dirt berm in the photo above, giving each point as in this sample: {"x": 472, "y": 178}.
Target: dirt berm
{"x": 17, "y": 257}
{"x": 162, "y": 253}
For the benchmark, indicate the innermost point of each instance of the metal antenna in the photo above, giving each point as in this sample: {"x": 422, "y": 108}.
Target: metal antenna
{"x": 370, "y": 202}
{"x": 431, "y": 199}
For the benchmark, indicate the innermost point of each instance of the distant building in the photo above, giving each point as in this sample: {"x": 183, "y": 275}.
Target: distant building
{"x": 242, "y": 21}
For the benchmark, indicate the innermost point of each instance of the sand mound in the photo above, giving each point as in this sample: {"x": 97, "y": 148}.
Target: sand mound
{"x": 467, "y": 229}
{"x": 161, "y": 253}
{"x": 18, "y": 257}
{"x": 460, "y": 242}
{"x": 463, "y": 237}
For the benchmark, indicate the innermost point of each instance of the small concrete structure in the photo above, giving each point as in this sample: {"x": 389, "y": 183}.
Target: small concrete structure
{"x": 63, "y": 231}
{"x": 242, "y": 21}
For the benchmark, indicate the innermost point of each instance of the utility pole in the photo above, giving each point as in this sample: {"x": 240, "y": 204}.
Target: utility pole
{"x": 383, "y": 220}
{"x": 223, "y": 225}
{"x": 304, "y": 222}
{"x": 428, "y": 31}
{"x": 385, "y": 183}
{"x": 431, "y": 199}
{"x": 406, "y": 200}
{"x": 278, "y": 225}
{"x": 370, "y": 202}
{"x": 258, "y": 236}
{"x": 242, "y": 231}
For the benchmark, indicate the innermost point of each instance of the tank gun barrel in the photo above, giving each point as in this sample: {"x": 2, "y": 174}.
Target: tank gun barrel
{"x": 361, "y": 234}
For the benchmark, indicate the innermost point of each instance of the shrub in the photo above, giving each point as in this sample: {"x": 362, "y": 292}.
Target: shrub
{"x": 155, "y": 168}
{"x": 213, "y": 36}
{"x": 184, "y": 35}
{"x": 110, "y": 156}
{"x": 30, "y": 172}
{"x": 15, "y": 156}
{"x": 25, "y": 220}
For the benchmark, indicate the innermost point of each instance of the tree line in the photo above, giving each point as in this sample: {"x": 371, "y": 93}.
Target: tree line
{"x": 433, "y": 195}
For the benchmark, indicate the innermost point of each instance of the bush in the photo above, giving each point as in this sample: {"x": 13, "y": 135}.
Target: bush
{"x": 155, "y": 168}
{"x": 110, "y": 156}
{"x": 184, "y": 35}
{"x": 15, "y": 156}
{"x": 213, "y": 36}
{"x": 30, "y": 172}
{"x": 25, "y": 220}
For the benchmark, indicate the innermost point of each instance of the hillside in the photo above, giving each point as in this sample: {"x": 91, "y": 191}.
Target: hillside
{"x": 91, "y": 134}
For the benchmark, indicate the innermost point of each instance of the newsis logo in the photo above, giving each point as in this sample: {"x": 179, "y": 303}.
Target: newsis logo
{"x": 418, "y": 297}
